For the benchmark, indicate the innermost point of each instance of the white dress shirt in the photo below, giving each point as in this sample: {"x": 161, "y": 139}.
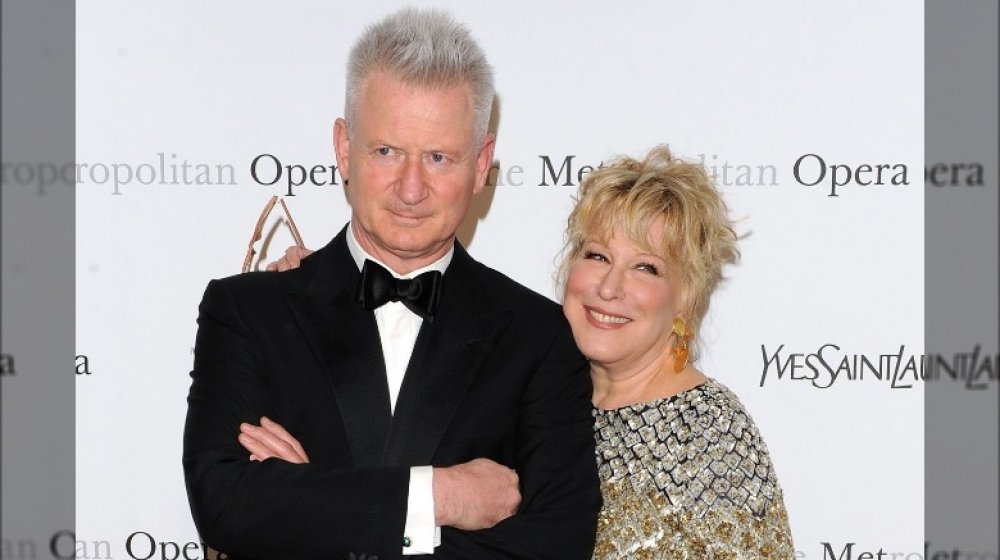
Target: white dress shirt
{"x": 397, "y": 329}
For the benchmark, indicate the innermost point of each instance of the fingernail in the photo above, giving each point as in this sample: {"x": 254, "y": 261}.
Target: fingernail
{"x": 265, "y": 420}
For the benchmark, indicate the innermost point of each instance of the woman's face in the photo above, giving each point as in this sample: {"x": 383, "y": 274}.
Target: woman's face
{"x": 620, "y": 301}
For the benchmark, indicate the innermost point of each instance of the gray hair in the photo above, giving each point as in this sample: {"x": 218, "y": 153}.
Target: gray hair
{"x": 425, "y": 48}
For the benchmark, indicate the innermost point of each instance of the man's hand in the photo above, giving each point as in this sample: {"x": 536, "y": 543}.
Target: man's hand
{"x": 292, "y": 259}
{"x": 271, "y": 440}
{"x": 475, "y": 495}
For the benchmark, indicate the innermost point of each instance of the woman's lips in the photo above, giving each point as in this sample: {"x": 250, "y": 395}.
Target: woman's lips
{"x": 603, "y": 319}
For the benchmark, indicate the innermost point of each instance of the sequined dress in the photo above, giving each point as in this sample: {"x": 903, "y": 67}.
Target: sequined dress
{"x": 687, "y": 477}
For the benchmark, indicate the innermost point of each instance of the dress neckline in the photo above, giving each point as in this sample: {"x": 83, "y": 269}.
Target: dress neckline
{"x": 653, "y": 402}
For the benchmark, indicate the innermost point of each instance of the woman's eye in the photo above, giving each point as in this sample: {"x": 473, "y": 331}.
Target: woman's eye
{"x": 650, "y": 268}
{"x": 593, "y": 255}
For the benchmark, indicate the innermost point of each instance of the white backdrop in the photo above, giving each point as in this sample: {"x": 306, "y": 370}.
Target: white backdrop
{"x": 757, "y": 84}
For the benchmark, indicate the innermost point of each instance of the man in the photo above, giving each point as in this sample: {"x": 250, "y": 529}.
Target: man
{"x": 455, "y": 401}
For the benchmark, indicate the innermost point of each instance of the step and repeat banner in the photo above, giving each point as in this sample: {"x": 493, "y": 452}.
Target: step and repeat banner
{"x": 809, "y": 116}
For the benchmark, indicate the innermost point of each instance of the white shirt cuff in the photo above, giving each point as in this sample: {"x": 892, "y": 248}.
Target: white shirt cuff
{"x": 420, "y": 535}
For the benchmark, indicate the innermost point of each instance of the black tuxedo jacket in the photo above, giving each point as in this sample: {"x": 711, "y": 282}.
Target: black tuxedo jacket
{"x": 495, "y": 375}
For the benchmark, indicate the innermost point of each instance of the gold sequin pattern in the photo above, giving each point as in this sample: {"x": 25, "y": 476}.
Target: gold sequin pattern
{"x": 687, "y": 477}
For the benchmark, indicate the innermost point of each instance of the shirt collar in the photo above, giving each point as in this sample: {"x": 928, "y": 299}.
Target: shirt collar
{"x": 360, "y": 255}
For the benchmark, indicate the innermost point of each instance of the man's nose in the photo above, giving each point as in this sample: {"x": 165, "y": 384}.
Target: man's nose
{"x": 412, "y": 187}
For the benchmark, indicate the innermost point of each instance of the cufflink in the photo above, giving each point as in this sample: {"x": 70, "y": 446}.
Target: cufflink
{"x": 406, "y": 542}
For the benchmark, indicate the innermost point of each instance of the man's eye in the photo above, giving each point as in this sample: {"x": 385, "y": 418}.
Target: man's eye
{"x": 438, "y": 158}
{"x": 384, "y": 151}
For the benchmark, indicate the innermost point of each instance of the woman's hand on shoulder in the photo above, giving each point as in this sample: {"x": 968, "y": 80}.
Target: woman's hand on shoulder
{"x": 292, "y": 259}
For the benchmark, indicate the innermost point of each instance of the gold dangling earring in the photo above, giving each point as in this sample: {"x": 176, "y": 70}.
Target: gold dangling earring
{"x": 680, "y": 349}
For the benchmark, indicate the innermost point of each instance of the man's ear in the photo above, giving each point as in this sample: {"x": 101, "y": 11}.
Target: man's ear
{"x": 342, "y": 147}
{"x": 484, "y": 161}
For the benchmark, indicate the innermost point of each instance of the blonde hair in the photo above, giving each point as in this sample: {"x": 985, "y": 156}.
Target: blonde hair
{"x": 633, "y": 196}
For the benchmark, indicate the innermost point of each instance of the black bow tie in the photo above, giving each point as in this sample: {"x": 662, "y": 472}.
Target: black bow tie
{"x": 420, "y": 295}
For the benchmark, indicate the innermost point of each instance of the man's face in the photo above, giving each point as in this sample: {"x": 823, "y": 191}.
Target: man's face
{"x": 412, "y": 163}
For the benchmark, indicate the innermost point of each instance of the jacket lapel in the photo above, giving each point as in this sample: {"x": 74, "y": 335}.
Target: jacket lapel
{"x": 448, "y": 355}
{"x": 345, "y": 340}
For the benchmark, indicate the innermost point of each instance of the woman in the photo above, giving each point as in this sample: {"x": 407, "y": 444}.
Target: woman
{"x": 684, "y": 471}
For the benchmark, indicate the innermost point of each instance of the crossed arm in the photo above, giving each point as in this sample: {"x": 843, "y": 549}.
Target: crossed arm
{"x": 469, "y": 496}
